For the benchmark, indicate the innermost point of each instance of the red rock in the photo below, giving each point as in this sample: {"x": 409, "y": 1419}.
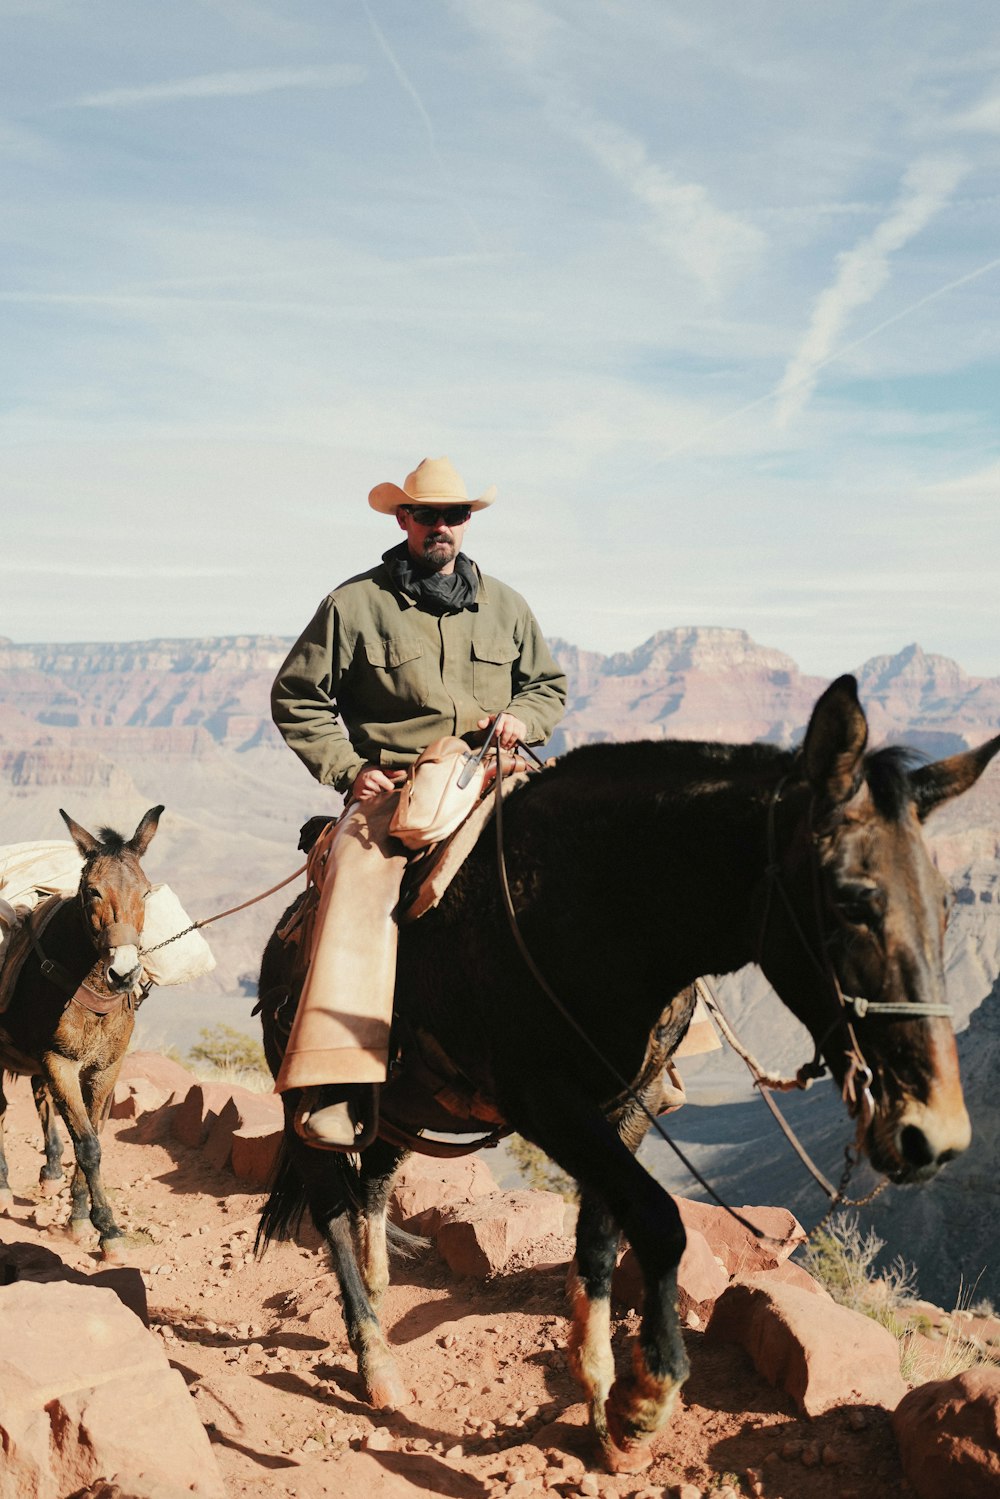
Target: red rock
{"x": 741, "y": 1252}
{"x": 240, "y": 1109}
{"x": 197, "y": 1112}
{"x": 479, "y": 1238}
{"x": 153, "y": 1068}
{"x": 790, "y": 1274}
{"x": 135, "y": 1096}
{"x": 425, "y": 1185}
{"x": 949, "y": 1436}
{"x": 83, "y": 1386}
{"x": 255, "y": 1152}
{"x": 21, "y": 1262}
{"x": 821, "y": 1354}
{"x": 700, "y": 1277}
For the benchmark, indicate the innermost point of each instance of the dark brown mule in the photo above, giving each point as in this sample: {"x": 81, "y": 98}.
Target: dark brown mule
{"x": 634, "y": 868}
{"x": 72, "y": 1013}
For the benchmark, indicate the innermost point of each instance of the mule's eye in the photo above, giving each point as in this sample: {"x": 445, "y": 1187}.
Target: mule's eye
{"x": 93, "y": 893}
{"x": 862, "y": 905}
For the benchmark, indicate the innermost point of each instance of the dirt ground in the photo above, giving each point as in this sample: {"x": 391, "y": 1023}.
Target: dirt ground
{"x": 495, "y": 1412}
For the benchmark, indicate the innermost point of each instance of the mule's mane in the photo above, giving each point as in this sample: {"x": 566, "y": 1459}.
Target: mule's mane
{"x": 112, "y": 844}
{"x": 688, "y": 766}
{"x": 887, "y": 773}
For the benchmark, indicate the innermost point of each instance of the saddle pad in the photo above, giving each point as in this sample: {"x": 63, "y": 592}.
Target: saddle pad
{"x": 435, "y": 872}
{"x": 18, "y": 945}
{"x": 701, "y": 1035}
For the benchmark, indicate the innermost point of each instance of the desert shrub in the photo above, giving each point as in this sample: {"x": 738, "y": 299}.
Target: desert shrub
{"x": 843, "y": 1259}
{"x": 225, "y": 1050}
{"x": 537, "y": 1171}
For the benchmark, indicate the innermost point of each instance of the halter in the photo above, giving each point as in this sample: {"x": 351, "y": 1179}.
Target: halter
{"x": 858, "y": 1078}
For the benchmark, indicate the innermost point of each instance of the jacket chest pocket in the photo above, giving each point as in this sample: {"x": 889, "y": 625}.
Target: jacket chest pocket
{"x": 493, "y": 673}
{"x": 398, "y": 678}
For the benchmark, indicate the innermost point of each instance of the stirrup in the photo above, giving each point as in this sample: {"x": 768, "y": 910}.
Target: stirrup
{"x": 358, "y": 1101}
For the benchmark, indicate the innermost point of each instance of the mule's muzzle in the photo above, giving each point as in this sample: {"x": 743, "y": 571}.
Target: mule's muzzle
{"x": 121, "y": 963}
{"x": 913, "y": 1146}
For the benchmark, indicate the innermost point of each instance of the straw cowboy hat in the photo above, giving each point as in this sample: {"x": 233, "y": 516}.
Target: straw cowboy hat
{"x": 433, "y": 482}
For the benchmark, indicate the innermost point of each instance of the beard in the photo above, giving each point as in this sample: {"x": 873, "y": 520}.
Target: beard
{"x": 438, "y": 552}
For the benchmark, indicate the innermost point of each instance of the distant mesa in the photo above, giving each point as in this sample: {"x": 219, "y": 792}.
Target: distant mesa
{"x": 688, "y": 682}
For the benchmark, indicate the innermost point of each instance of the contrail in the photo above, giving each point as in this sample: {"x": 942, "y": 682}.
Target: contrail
{"x": 782, "y": 388}
{"x": 418, "y": 105}
{"x": 863, "y": 271}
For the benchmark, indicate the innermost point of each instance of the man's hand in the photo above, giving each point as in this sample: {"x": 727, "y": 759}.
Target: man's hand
{"x": 509, "y": 729}
{"x": 371, "y": 780}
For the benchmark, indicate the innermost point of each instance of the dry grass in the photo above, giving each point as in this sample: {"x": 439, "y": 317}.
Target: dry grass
{"x": 842, "y": 1259}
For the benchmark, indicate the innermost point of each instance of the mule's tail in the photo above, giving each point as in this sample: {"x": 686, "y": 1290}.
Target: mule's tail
{"x": 282, "y": 1214}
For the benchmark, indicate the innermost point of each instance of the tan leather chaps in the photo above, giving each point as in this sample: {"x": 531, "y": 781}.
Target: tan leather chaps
{"x": 341, "y": 1028}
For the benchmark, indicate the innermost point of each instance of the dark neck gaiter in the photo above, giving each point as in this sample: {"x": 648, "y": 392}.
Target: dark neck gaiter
{"x": 438, "y": 593}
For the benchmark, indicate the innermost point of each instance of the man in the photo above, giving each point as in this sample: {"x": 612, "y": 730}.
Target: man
{"x": 421, "y": 646}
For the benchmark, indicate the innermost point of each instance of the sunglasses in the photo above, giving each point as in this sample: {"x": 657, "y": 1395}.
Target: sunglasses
{"x": 430, "y": 515}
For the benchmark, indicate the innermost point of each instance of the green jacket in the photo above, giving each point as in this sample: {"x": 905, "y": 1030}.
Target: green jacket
{"x": 399, "y": 677}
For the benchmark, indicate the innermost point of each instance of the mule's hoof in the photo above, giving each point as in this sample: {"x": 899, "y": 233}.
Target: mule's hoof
{"x": 387, "y": 1392}
{"x": 6, "y": 1200}
{"x": 114, "y": 1252}
{"x": 633, "y": 1457}
{"x": 81, "y": 1230}
{"x": 50, "y": 1186}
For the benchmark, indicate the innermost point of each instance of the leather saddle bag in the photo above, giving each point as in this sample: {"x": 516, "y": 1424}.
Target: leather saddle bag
{"x": 431, "y": 803}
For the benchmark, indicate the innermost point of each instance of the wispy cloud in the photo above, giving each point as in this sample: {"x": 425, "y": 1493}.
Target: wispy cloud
{"x": 863, "y": 272}
{"x": 19, "y": 144}
{"x": 232, "y": 85}
{"x": 984, "y": 116}
{"x": 709, "y": 243}
{"x": 408, "y": 87}
{"x": 983, "y": 486}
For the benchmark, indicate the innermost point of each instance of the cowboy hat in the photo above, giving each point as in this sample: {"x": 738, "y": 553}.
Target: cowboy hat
{"x": 433, "y": 482}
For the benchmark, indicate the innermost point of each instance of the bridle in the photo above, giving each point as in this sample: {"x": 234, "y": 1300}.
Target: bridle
{"x": 858, "y": 1077}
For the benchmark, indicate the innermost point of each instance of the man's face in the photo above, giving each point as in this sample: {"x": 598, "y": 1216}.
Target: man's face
{"x": 434, "y": 542}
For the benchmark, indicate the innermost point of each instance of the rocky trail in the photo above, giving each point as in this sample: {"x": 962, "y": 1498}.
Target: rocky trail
{"x": 261, "y": 1347}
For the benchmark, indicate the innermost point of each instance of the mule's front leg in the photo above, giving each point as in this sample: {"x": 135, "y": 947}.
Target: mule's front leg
{"x": 51, "y": 1177}
{"x": 576, "y": 1135}
{"x": 63, "y": 1079}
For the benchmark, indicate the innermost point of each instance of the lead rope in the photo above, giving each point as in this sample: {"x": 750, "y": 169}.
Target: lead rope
{"x": 207, "y": 920}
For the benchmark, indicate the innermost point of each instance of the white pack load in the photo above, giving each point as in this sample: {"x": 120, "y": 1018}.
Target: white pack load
{"x": 29, "y": 874}
{"x": 31, "y": 871}
{"x": 176, "y": 962}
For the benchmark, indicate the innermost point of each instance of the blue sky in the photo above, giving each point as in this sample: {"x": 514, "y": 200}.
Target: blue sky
{"x": 709, "y": 290}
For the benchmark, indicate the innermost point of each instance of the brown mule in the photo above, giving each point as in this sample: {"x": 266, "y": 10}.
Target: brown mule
{"x": 72, "y": 1012}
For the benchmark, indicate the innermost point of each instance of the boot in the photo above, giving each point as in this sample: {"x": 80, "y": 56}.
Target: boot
{"x": 337, "y": 1118}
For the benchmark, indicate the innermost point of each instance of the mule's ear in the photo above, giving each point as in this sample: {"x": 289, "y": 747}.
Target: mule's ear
{"x": 85, "y": 842}
{"x": 834, "y": 744}
{"x": 143, "y": 835}
{"x": 937, "y": 783}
